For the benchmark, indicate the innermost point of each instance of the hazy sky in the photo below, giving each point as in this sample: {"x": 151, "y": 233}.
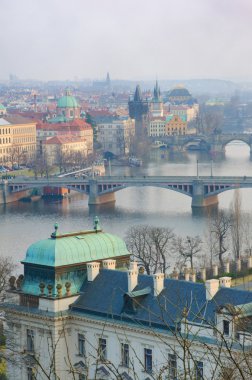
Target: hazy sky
{"x": 132, "y": 39}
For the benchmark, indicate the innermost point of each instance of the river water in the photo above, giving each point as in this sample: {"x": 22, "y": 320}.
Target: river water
{"x": 21, "y": 224}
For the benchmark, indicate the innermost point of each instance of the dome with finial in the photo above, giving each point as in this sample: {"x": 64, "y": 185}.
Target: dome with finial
{"x": 57, "y": 266}
{"x": 75, "y": 247}
{"x": 67, "y": 101}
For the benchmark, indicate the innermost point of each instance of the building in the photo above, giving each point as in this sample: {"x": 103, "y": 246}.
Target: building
{"x": 115, "y": 135}
{"x": 169, "y": 125}
{"x": 138, "y": 110}
{"x": 67, "y": 108}
{"x": 102, "y": 85}
{"x": 156, "y": 105}
{"x": 17, "y": 139}
{"x": 75, "y": 128}
{"x": 82, "y": 313}
{"x": 175, "y": 125}
{"x": 180, "y": 95}
{"x": 188, "y": 112}
{"x": 59, "y": 148}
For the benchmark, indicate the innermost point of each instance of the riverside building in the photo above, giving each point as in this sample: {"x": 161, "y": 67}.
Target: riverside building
{"x": 82, "y": 311}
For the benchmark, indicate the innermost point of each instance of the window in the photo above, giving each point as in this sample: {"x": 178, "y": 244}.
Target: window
{"x": 226, "y": 327}
{"x": 102, "y": 348}
{"x": 81, "y": 344}
{"x": 30, "y": 340}
{"x": 124, "y": 354}
{"x": 172, "y": 367}
{"x": 199, "y": 371}
{"x": 148, "y": 360}
{"x": 30, "y": 374}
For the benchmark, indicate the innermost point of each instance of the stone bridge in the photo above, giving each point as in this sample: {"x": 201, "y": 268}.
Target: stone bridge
{"x": 203, "y": 190}
{"x": 214, "y": 143}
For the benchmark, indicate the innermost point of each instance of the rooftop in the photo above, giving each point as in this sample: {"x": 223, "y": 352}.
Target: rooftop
{"x": 76, "y": 247}
{"x": 142, "y": 307}
{"x": 67, "y": 101}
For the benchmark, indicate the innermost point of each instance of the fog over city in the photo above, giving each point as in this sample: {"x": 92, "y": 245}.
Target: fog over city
{"x": 133, "y": 39}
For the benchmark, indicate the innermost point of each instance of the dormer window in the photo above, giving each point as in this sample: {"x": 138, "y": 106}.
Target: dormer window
{"x": 226, "y": 327}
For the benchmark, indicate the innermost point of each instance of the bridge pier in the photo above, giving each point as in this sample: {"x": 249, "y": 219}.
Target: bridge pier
{"x": 199, "y": 200}
{"x": 217, "y": 150}
{"x": 98, "y": 199}
{"x": 6, "y": 196}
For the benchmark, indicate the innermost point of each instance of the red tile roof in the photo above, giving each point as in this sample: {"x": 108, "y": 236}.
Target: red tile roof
{"x": 64, "y": 139}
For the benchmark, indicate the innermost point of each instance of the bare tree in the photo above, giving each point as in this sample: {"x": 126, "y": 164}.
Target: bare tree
{"x": 150, "y": 246}
{"x": 187, "y": 248}
{"x": 237, "y": 231}
{"x": 247, "y": 226}
{"x": 220, "y": 228}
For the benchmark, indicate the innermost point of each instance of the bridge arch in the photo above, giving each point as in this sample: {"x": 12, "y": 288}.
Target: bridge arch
{"x": 183, "y": 189}
{"x": 197, "y": 142}
{"x": 84, "y": 189}
{"x": 245, "y": 140}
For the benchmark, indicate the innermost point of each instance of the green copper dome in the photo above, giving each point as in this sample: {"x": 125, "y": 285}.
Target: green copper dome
{"x": 75, "y": 248}
{"x": 67, "y": 101}
{"x": 2, "y": 107}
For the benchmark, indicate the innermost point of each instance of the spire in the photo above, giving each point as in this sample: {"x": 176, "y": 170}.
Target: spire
{"x": 156, "y": 91}
{"x": 138, "y": 94}
{"x": 108, "y": 78}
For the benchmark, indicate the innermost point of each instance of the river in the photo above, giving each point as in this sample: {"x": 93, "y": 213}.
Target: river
{"x": 21, "y": 224}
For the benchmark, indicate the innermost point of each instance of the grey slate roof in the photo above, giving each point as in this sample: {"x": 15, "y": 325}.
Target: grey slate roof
{"x": 107, "y": 297}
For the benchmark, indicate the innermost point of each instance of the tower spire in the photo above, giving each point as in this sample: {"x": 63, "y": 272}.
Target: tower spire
{"x": 156, "y": 91}
{"x": 138, "y": 94}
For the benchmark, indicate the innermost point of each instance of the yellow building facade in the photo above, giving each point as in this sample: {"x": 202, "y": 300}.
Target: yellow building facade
{"x": 167, "y": 126}
{"x": 17, "y": 140}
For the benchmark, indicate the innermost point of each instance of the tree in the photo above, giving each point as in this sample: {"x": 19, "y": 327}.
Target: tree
{"x": 6, "y": 269}
{"x": 220, "y": 228}
{"x": 41, "y": 165}
{"x": 150, "y": 246}
{"x": 188, "y": 248}
{"x": 237, "y": 225}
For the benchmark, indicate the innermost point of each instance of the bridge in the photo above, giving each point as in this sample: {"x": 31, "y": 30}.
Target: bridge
{"x": 214, "y": 143}
{"x": 203, "y": 190}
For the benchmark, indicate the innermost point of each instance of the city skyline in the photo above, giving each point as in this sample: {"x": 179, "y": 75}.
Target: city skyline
{"x": 134, "y": 40}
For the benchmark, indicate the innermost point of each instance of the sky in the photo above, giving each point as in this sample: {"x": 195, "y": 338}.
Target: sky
{"x": 132, "y": 39}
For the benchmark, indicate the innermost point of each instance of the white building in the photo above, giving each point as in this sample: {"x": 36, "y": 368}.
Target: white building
{"x": 79, "y": 313}
{"x": 115, "y": 135}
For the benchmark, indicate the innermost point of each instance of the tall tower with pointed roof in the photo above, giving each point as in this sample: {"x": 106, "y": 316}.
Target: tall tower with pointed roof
{"x": 138, "y": 110}
{"x": 157, "y": 107}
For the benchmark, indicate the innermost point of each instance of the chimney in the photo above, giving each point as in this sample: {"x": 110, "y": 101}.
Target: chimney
{"x": 132, "y": 276}
{"x": 212, "y": 287}
{"x": 193, "y": 276}
{"x": 92, "y": 270}
{"x": 249, "y": 264}
{"x": 215, "y": 270}
{"x": 203, "y": 274}
{"x": 158, "y": 279}
{"x": 227, "y": 267}
{"x": 225, "y": 282}
{"x": 109, "y": 264}
{"x": 187, "y": 274}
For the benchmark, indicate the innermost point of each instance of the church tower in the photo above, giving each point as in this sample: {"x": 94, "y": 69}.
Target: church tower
{"x": 157, "y": 106}
{"x": 138, "y": 110}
